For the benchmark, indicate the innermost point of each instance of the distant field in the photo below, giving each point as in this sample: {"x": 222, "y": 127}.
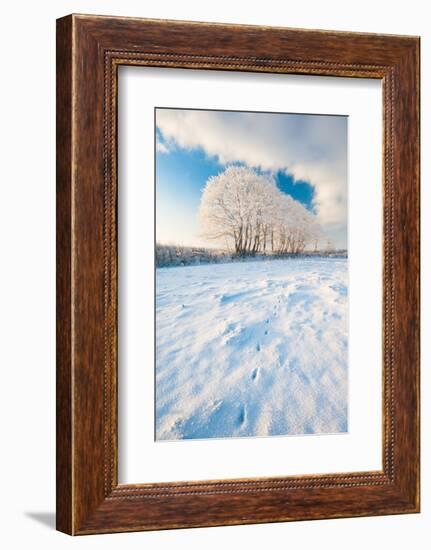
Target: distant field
{"x": 252, "y": 349}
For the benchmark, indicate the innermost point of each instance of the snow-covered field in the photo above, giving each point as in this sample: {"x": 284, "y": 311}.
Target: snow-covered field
{"x": 252, "y": 349}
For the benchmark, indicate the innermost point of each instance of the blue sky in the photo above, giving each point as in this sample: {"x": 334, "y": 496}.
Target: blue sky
{"x": 307, "y": 155}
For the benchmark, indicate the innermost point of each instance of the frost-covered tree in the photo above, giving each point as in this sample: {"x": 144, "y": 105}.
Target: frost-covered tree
{"x": 247, "y": 211}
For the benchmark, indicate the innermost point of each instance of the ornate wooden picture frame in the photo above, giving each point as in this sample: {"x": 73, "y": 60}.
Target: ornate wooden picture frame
{"x": 89, "y": 51}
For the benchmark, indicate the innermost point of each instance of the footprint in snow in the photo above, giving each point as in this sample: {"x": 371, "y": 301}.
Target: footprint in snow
{"x": 258, "y": 347}
{"x": 255, "y": 374}
{"x": 242, "y": 415}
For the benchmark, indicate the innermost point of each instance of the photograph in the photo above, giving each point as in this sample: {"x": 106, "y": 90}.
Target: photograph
{"x": 214, "y": 232}
{"x": 251, "y": 274}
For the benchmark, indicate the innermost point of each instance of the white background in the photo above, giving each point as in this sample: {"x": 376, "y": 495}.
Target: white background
{"x": 27, "y": 214}
{"x": 141, "y": 458}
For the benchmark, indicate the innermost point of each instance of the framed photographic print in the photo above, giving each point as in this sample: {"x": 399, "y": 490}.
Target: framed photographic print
{"x": 237, "y": 274}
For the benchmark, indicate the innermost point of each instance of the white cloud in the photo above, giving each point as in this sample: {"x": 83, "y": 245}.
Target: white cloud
{"x": 161, "y": 147}
{"x": 309, "y": 147}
